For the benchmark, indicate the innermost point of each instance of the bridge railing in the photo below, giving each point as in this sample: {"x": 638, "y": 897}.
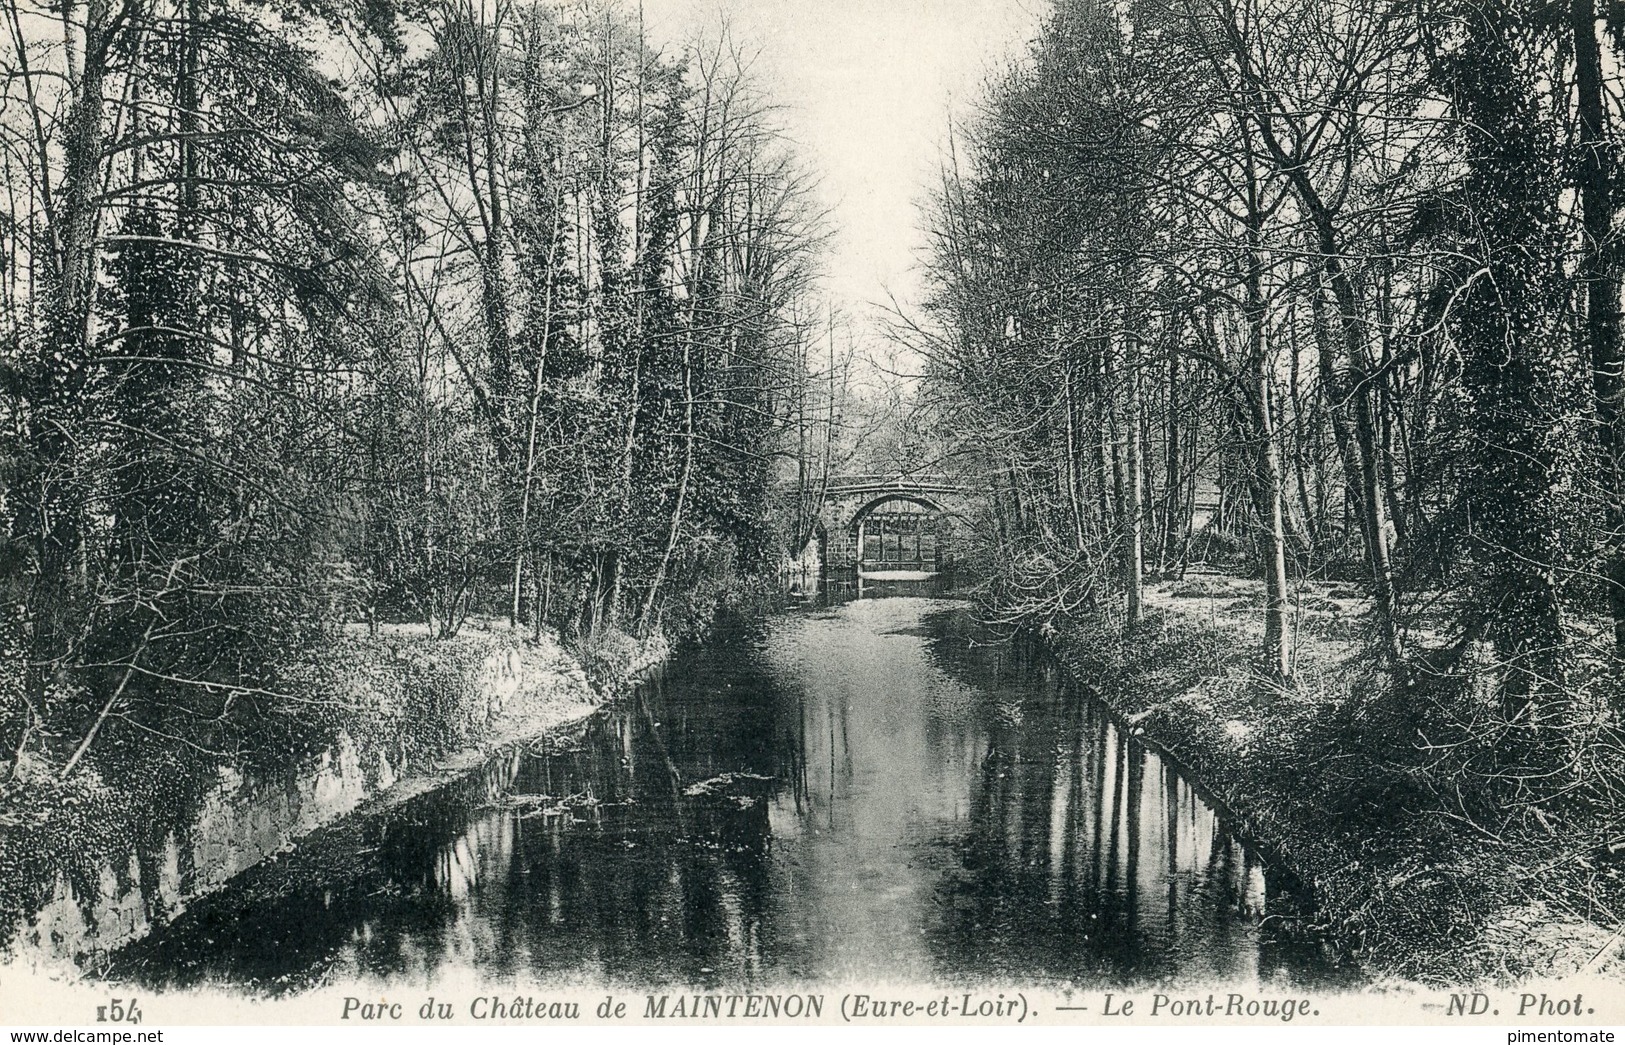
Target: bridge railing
{"x": 839, "y": 483}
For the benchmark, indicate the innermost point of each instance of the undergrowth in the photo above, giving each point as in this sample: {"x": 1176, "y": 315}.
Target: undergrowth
{"x": 1429, "y": 851}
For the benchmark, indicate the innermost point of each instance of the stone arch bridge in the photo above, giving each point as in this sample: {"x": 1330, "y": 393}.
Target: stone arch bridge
{"x": 903, "y": 525}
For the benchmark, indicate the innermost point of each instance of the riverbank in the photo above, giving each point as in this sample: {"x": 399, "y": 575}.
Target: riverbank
{"x": 1333, "y": 779}
{"x": 875, "y": 783}
{"x": 370, "y": 718}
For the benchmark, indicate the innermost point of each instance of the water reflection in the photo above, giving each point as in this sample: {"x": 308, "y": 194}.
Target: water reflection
{"x": 862, "y": 789}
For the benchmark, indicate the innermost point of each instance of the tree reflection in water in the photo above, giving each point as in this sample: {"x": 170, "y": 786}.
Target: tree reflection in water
{"x": 865, "y": 789}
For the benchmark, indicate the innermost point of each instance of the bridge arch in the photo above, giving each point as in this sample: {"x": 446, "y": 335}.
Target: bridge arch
{"x": 874, "y": 505}
{"x": 900, "y": 533}
{"x": 891, "y": 524}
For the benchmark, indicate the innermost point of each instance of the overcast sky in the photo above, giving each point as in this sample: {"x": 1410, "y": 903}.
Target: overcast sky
{"x": 867, "y": 86}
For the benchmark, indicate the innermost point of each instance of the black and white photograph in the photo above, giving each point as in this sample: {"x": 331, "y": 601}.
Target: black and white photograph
{"x": 693, "y": 513}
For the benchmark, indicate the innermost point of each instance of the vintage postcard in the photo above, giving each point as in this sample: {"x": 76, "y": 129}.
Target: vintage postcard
{"x": 668, "y": 513}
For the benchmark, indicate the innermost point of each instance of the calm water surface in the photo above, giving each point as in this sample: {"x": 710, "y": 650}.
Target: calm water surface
{"x": 870, "y": 790}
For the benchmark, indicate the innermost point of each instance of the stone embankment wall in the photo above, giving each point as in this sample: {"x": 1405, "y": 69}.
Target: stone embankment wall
{"x": 394, "y": 713}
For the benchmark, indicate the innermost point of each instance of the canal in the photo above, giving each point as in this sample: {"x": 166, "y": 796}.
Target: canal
{"x": 872, "y": 788}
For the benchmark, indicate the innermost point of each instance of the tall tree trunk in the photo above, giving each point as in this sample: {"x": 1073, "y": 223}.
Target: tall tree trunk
{"x": 1172, "y": 509}
{"x": 1599, "y": 275}
{"x": 1277, "y": 633}
{"x": 1100, "y": 449}
{"x": 1356, "y": 444}
{"x": 1267, "y": 466}
{"x": 1073, "y": 494}
{"x": 628, "y": 462}
{"x": 1362, "y": 454}
{"x": 533, "y": 418}
{"x": 1515, "y": 469}
{"x": 1373, "y": 491}
{"x": 675, "y": 527}
{"x": 51, "y": 512}
{"x": 616, "y": 565}
{"x": 1134, "y": 509}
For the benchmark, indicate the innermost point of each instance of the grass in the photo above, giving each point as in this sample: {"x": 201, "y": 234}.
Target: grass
{"x": 1388, "y": 805}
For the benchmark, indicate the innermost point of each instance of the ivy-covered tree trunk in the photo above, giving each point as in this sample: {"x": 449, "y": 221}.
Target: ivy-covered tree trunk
{"x": 1600, "y": 278}
{"x": 51, "y": 516}
{"x": 1507, "y": 323}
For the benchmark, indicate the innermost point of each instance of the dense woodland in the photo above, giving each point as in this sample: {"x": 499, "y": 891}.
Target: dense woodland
{"x": 1344, "y": 274}
{"x": 319, "y": 317}
{"x": 318, "y": 314}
